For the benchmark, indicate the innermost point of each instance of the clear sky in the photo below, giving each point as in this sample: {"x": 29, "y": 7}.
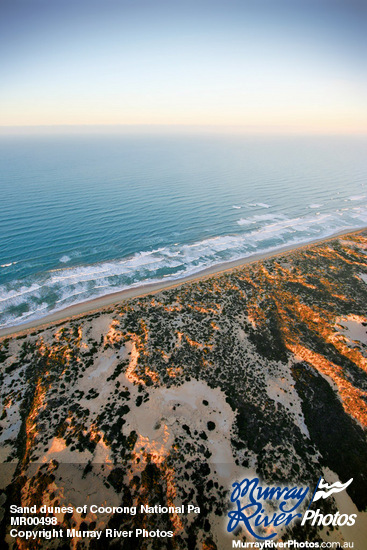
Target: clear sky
{"x": 261, "y": 65}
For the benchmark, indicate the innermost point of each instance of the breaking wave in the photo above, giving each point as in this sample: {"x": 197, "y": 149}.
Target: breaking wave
{"x": 56, "y": 289}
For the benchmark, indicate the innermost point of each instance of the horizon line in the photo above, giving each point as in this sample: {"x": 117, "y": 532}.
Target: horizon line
{"x": 215, "y": 128}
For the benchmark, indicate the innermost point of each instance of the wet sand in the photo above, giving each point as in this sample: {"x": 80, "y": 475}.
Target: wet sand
{"x": 102, "y": 302}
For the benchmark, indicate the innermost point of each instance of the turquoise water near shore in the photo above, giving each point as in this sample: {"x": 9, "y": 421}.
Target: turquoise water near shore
{"x": 83, "y": 216}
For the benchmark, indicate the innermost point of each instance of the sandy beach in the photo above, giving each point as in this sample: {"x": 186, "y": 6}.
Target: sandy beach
{"x": 101, "y": 302}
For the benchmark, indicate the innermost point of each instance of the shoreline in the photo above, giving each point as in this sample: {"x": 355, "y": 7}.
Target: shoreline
{"x": 96, "y": 304}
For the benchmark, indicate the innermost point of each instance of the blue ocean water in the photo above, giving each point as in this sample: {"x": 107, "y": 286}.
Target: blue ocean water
{"x": 83, "y": 216}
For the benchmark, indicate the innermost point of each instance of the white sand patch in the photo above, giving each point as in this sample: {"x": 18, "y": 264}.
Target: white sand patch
{"x": 95, "y": 378}
{"x": 131, "y": 376}
{"x": 161, "y": 418}
{"x": 11, "y": 424}
{"x": 59, "y": 451}
{"x": 103, "y": 365}
{"x": 102, "y": 454}
{"x": 5, "y": 451}
{"x": 100, "y": 326}
{"x": 352, "y": 328}
{"x": 103, "y": 388}
{"x": 6, "y": 470}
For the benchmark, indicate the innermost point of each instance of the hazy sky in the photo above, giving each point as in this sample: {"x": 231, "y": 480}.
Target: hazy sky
{"x": 263, "y": 64}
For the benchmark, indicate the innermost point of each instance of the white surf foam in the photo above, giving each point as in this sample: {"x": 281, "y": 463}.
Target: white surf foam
{"x": 261, "y": 204}
{"x": 260, "y": 218}
{"x": 262, "y": 233}
{"x": 357, "y": 197}
{"x": 13, "y": 294}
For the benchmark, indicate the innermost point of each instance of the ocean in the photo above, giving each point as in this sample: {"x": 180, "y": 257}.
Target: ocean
{"x": 86, "y": 215}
